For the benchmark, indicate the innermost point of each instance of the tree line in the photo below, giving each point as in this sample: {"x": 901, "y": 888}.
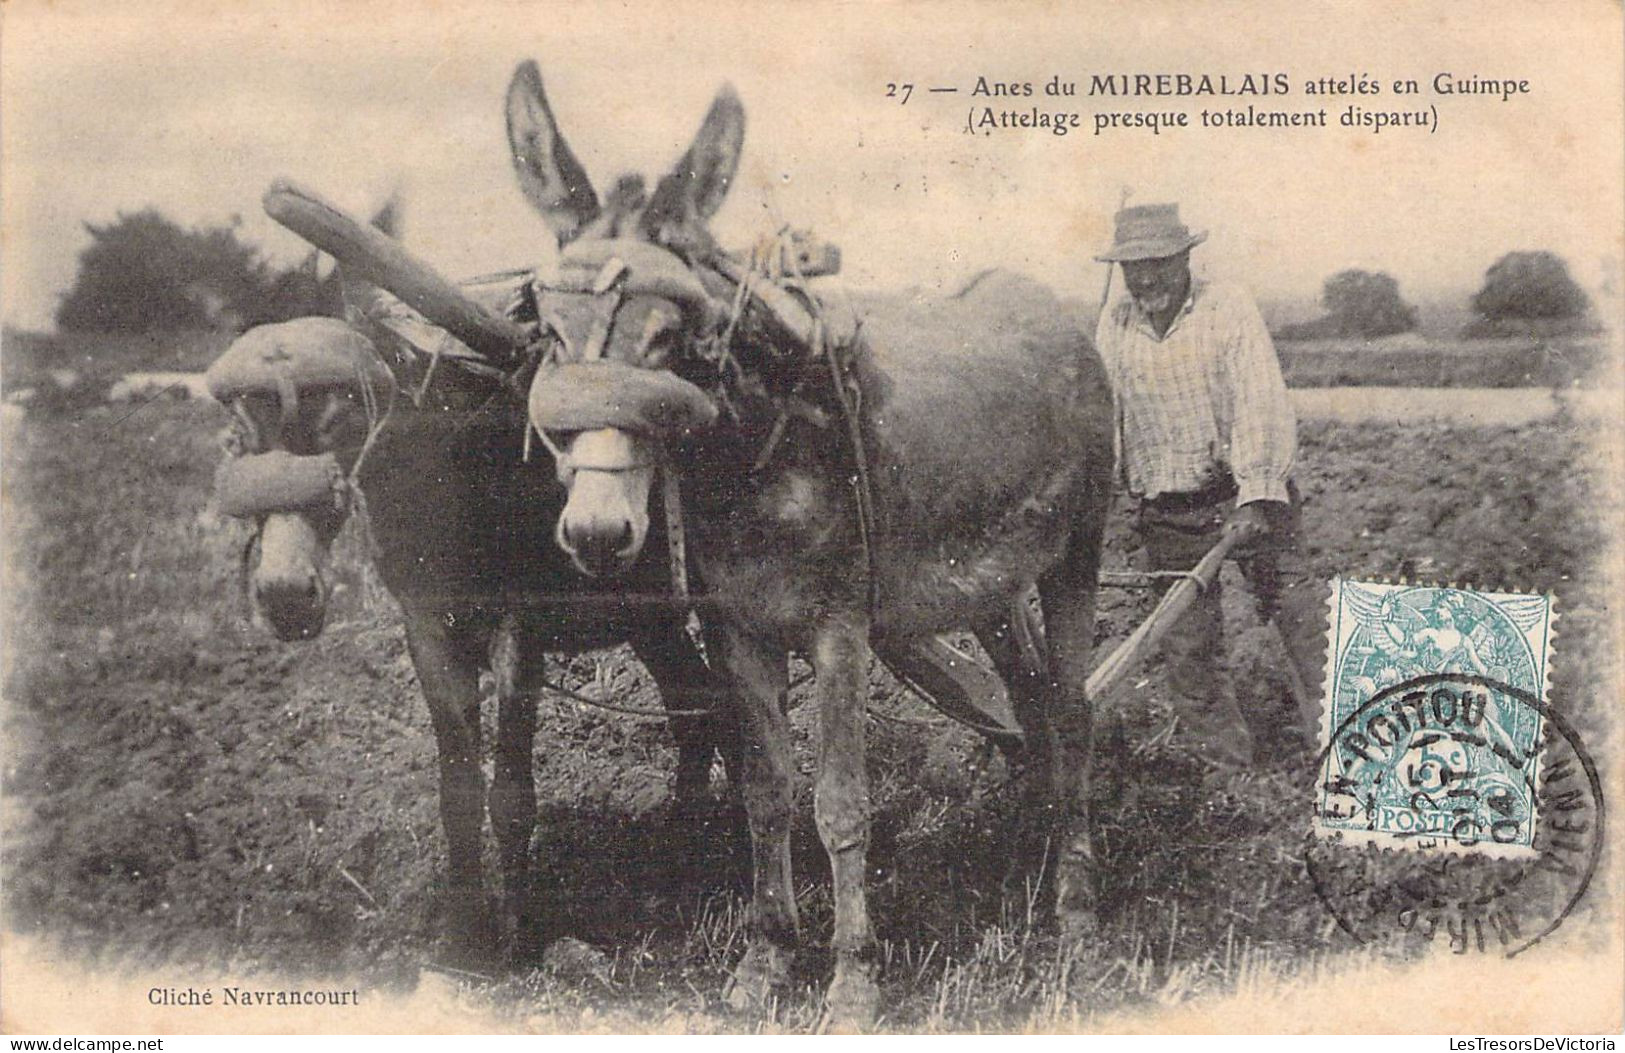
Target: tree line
{"x": 143, "y": 272}
{"x": 1523, "y": 293}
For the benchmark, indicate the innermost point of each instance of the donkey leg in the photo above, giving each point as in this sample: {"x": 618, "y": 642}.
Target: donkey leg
{"x": 687, "y": 683}
{"x": 840, "y": 658}
{"x": 1034, "y": 841}
{"x": 447, "y": 658}
{"x": 756, "y": 672}
{"x": 1068, "y": 592}
{"x": 516, "y": 658}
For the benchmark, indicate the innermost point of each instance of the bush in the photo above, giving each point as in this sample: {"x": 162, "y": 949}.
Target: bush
{"x": 143, "y": 272}
{"x": 1528, "y": 285}
{"x": 1358, "y": 304}
{"x": 1367, "y": 303}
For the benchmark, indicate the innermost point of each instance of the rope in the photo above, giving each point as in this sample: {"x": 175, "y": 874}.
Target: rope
{"x": 737, "y": 310}
{"x": 631, "y": 711}
{"x": 638, "y": 711}
{"x": 860, "y": 464}
{"x": 375, "y": 424}
{"x": 667, "y": 714}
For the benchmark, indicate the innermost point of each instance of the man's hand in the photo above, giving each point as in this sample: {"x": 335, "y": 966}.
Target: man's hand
{"x": 1252, "y": 523}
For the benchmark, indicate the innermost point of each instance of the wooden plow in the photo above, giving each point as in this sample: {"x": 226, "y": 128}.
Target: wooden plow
{"x": 971, "y": 693}
{"x": 957, "y": 683}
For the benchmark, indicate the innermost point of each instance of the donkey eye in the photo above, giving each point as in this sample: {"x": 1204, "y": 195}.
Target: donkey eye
{"x": 340, "y": 422}
{"x": 658, "y": 342}
{"x": 259, "y": 416}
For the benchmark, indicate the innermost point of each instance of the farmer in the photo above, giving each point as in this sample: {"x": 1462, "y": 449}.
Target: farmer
{"x": 1206, "y": 439}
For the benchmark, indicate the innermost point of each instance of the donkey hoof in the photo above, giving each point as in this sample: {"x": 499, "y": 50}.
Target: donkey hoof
{"x": 764, "y": 969}
{"x": 471, "y": 940}
{"x": 853, "y": 1000}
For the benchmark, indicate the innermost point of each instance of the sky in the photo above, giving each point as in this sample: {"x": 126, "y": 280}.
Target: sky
{"x": 194, "y": 107}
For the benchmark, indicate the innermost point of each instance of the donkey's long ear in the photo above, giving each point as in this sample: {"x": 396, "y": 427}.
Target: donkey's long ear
{"x": 693, "y": 191}
{"x": 713, "y": 158}
{"x": 549, "y": 174}
{"x": 390, "y": 217}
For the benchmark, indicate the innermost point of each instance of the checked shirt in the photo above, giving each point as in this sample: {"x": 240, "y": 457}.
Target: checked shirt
{"x": 1204, "y": 401}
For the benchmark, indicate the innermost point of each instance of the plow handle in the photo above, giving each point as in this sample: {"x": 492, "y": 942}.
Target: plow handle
{"x": 1175, "y": 602}
{"x": 372, "y": 255}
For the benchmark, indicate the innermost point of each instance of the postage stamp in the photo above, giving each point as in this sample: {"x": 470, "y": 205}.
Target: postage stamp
{"x": 1428, "y": 739}
{"x": 1473, "y": 893}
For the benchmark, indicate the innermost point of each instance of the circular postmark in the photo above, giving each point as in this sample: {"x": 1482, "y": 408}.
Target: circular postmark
{"x": 1455, "y": 808}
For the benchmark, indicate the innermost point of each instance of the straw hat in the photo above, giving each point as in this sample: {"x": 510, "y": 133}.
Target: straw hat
{"x": 1150, "y": 232}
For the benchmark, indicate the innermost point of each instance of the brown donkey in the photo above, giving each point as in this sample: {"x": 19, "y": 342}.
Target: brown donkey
{"x": 952, "y": 455}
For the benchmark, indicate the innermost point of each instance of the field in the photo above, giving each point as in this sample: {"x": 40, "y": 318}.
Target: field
{"x": 1413, "y": 361}
{"x": 182, "y": 791}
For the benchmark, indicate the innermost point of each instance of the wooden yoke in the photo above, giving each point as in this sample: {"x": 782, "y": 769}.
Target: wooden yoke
{"x": 964, "y": 689}
{"x": 374, "y": 256}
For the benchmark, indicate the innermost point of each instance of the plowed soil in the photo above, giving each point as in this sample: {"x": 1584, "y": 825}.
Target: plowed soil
{"x": 179, "y": 788}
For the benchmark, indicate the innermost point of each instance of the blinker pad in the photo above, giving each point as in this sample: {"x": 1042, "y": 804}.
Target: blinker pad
{"x": 260, "y": 484}
{"x": 308, "y": 352}
{"x": 581, "y": 396}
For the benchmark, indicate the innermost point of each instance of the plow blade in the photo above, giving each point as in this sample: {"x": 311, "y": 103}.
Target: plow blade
{"x": 958, "y": 685}
{"x": 965, "y": 689}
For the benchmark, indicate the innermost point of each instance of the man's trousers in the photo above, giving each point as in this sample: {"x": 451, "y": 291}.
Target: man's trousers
{"x": 1177, "y": 531}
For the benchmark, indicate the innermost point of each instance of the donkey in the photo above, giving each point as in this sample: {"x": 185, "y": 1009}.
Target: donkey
{"x": 980, "y": 443}
{"x": 461, "y": 523}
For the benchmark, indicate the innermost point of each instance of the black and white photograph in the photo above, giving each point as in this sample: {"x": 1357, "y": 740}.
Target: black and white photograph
{"x": 811, "y": 518}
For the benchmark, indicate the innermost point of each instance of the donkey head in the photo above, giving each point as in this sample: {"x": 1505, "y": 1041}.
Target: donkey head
{"x": 304, "y": 395}
{"x": 623, "y": 306}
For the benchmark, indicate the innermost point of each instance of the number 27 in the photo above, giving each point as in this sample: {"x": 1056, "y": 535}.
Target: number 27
{"x": 893, "y": 89}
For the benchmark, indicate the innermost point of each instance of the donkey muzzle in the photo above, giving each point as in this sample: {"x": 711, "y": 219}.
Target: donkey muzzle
{"x": 299, "y": 501}
{"x": 285, "y": 583}
{"x": 605, "y": 520}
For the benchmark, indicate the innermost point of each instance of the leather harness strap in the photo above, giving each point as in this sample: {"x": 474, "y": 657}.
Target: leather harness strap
{"x": 676, "y": 543}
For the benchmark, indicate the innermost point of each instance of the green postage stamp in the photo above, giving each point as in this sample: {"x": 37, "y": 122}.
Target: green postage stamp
{"x": 1434, "y": 718}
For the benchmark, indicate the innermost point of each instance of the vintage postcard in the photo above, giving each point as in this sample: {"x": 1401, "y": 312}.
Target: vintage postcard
{"x": 912, "y": 517}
